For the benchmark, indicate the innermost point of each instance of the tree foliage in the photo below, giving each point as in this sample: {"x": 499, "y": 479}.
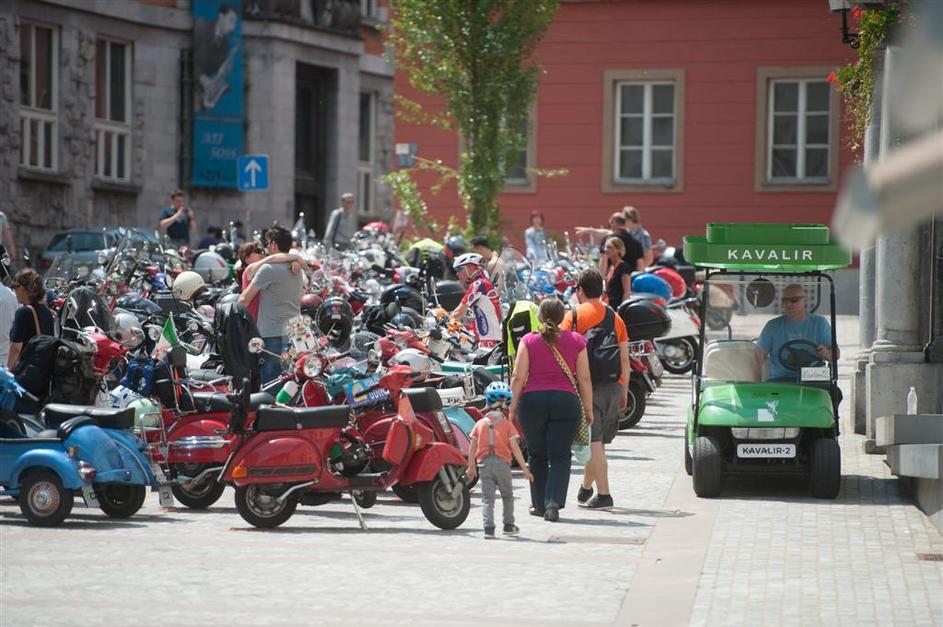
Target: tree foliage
{"x": 478, "y": 56}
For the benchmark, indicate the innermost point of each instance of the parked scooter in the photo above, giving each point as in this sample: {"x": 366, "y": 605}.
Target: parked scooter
{"x": 678, "y": 348}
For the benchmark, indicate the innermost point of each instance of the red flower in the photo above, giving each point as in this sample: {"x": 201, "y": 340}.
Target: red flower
{"x": 831, "y": 77}
{"x": 856, "y": 12}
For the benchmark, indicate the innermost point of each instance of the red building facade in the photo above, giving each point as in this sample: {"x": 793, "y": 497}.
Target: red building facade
{"x": 690, "y": 110}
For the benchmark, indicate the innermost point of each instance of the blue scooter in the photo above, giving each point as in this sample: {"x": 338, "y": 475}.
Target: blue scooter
{"x": 91, "y": 452}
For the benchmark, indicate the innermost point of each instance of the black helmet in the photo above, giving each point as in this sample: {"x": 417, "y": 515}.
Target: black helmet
{"x": 455, "y": 246}
{"x": 403, "y": 295}
{"x": 336, "y": 320}
{"x": 310, "y": 305}
{"x": 408, "y": 318}
{"x": 225, "y": 251}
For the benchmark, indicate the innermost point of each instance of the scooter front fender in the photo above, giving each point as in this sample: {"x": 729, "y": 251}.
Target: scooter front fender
{"x": 426, "y": 462}
{"x": 281, "y": 459}
{"x": 57, "y": 461}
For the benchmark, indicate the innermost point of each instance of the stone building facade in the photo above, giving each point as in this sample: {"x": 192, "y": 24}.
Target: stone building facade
{"x": 77, "y": 151}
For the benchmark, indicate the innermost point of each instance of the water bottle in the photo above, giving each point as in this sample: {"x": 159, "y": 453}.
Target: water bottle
{"x": 912, "y": 401}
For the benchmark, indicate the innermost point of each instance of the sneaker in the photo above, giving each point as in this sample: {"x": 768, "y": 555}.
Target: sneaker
{"x": 599, "y": 501}
{"x": 511, "y": 530}
{"x": 489, "y": 533}
{"x": 584, "y": 494}
{"x": 552, "y": 514}
{"x": 534, "y": 511}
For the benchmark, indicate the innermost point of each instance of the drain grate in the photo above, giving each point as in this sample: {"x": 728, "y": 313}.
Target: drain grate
{"x": 930, "y": 557}
{"x": 594, "y": 540}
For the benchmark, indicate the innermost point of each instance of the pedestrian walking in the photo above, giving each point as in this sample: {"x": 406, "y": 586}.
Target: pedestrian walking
{"x": 607, "y": 348}
{"x": 178, "y": 221}
{"x": 619, "y": 277}
{"x": 32, "y": 317}
{"x": 494, "y": 441}
{"x": 633, "y": 224}
{"x": 550, "y": 404}
{"x": 279, "y": 291}
{"x": 7, "y": 235}
{"x": 341, "y": 225}
{"x": 535, "y": 239}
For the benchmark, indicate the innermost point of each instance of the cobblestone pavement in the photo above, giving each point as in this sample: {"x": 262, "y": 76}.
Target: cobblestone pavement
{"x": 770, "y": 555}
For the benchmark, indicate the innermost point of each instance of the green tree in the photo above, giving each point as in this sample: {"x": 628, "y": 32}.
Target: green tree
{"x": 478, "y": 56}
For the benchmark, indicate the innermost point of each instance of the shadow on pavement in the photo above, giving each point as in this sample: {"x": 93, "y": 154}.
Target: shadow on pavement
{"x": 642, "y": 434}
{"x": 71, "y": 523}
{"x": 355, "y": 530}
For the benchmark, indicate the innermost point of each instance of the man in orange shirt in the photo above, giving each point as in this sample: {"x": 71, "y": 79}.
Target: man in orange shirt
{"x": 608, "y": 350}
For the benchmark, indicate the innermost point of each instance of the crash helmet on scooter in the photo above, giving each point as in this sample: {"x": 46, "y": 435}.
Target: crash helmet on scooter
{"x": 675, "y": 280}
{"x": 408, "y": 318}
{"x": 403, "y": 295}
{"x": 310, "y": 305}
{"x": 349, "y": 454}
{"x": 651, "y": 284}
{"x": 455, "y": 246}
{"x": 498, "y": 394}
{"x": 188, "y": 285}
{"x": 211, "y": 266}
{"x": 127, "y": 330}
{"x": 417, "y": 361}
{"x": 335, "y": 319}
{"x": 225, "y": 250}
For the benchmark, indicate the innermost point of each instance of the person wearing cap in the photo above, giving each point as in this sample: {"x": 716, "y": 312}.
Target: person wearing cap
{"x": 480, "y": 298}
{"x": 341, "y": 225}
{"x": 536, "y": 239}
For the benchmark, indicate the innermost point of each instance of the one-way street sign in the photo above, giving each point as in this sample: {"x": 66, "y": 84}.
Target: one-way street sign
{"x": 253, "y": 173}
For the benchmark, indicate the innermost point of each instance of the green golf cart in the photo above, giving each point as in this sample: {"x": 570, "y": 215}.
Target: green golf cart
{"x": 766, "y": 387}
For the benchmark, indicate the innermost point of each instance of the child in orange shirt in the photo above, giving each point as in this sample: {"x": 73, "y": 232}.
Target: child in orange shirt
{"x": 493, "y": 441}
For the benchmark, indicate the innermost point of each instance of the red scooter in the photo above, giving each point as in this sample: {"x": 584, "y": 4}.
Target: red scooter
{"x": 309, "y": 455}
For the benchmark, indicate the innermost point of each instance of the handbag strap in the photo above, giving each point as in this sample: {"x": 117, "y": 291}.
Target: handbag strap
{"x": 35, "y": 319}
{"x": 563, "y": 365}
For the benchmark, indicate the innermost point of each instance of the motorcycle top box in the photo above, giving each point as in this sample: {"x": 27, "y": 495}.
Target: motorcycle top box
{"x": 644, "y": 319}
{"x": 766, "y": 384}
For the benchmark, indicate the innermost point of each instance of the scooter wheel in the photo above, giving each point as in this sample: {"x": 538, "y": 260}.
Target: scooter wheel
{"x": 260, "y": 509}
{"x": 683, "y": 362}
{"x": 121, "y": 500}
{"x": 635, "y": 407}
{"x": 202, "y": 497}
{"x": 43, "y": 500}
{"x": 442, "y": 508}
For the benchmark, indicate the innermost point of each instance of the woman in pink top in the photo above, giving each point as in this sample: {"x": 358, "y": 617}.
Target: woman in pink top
{"x": 549, "y": 407}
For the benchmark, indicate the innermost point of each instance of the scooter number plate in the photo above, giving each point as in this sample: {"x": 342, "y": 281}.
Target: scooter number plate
{"x": 166, "y": 495}
{"x": 89, "y": 496}
{"x": 777, "y": 451}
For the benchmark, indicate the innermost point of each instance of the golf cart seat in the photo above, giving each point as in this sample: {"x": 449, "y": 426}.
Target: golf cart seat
{"x": 731, "y": 360}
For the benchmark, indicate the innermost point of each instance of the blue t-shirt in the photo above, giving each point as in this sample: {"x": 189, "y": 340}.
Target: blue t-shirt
{"x": 780, "y": 330}
{"x": 179, "y": 230}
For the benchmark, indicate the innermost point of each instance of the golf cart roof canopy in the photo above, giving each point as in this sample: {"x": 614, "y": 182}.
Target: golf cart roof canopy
{"x": 766, "y": 248}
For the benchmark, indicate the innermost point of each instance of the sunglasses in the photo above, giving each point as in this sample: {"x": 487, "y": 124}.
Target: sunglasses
{"x": 792, "y": 299}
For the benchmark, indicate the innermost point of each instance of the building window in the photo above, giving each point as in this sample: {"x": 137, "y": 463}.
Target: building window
{"x": 643, "y": 130}
{"x": 369, "y": 9}
{"x": 39, "y": 96}
{"x": 365, "y": 152}
{"x": 112, "y": 110}
{"x": 517, "y": 161}
{"x": 798, "y": 131}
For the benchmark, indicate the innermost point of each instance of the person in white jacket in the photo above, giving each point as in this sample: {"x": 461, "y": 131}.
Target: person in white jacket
{"x": 8, "y": 307}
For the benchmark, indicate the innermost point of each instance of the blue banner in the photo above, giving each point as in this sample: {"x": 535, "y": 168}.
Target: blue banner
{"x": 217, "y": 97}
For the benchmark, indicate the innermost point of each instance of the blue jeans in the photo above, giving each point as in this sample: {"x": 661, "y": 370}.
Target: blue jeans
{"x": 272, "y": 366}
{"x": 550, "y": 420}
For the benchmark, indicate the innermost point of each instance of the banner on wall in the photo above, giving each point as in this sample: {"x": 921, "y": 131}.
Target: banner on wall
{"x": 218, "y": 94}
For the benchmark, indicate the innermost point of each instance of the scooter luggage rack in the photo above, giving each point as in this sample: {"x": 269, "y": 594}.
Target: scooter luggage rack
{"x": 638, "y": 348}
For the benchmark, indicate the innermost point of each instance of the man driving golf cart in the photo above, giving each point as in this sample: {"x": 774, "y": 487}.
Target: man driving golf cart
{"x": 766, "y": 387}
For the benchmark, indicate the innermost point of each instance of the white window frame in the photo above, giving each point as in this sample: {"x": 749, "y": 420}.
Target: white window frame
{"x": 370, "y": 9}
{"x": 647, "y": 146}
{"x": 366, "y": 192}
{"x": 107, "y": 130}
{"x": 801, "y": 144}
{"x": 42, "y": 118}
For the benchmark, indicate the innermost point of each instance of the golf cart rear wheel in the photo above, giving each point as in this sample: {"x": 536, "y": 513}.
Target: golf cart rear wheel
{"x": 43, "y": 500}
{"x": 825, "y": 471}
{"x": 121, "y": 500}
{"x": 684, "y": 361}
{"x": 440, "y": 506}
{"x": 688, "y": 462}
{"x": 635, "y": 406}
{"x": 407, "y": 493}
{"x": 262, "y": 509}
{"x": 707, "y": 467}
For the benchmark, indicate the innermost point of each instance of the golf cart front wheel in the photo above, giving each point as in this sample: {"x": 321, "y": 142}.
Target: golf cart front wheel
{"x": 688, "y": 462}
{"x": 635, "y": 404}
{"x": 707, "y": 467}
{"x": 825, "y": 471}
{"x": 442, "y": 506}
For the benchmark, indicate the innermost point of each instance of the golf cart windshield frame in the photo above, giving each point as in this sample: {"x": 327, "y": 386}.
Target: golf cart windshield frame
{"x": 741, "y": 274}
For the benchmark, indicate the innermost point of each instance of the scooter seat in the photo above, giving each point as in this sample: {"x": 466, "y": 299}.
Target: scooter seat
{"x": 273, "y": 418}
{"x": 207, "y": 376}
{"x": 105, "y": 417}
{"x": 218, "y": 402}
{"x": 423, "y": 399}
{"x": 70, "y": 425}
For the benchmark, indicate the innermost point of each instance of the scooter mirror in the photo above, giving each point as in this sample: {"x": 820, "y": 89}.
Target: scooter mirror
{"x": 153, "y": 332}
{"x": 256, "y": 345}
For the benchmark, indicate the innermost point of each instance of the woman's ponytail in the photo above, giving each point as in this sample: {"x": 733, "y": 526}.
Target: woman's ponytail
{"x": 551, "y": 314}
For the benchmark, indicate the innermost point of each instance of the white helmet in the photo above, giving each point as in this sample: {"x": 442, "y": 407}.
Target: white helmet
{"x": 473, "y": 259}
{"x": 418, "y": 361}
{"x": 211, "y": 266}
{"x": 127, "y": 330}
{"x": 187, "y": 285}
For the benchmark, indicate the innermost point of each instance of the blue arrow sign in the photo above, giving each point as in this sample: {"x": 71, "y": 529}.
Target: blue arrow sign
{"x": 253, "y": 173}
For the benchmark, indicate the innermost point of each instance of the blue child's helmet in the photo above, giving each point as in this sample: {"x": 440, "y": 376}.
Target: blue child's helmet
{"x": 652, "y": 284}
{"x": 498, "y": 393}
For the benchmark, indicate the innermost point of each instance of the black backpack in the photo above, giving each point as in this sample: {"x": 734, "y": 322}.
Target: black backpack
{"x": 602, "y": 348}
{"x": 74, "y": 380}
{"x": 33, "y": 370}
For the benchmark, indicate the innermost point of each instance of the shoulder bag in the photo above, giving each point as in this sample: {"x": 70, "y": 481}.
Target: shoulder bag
{"x": 583, "y": 434}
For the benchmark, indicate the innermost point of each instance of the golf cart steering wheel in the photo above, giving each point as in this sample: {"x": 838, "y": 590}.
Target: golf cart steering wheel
{"x": 796, "y": 354}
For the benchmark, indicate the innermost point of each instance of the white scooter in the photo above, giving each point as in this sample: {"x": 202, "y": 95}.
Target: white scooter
{"x": 677, "y": 350}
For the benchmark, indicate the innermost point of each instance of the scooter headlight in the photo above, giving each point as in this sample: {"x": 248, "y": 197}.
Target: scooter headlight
{"x": 312, "y": 366}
